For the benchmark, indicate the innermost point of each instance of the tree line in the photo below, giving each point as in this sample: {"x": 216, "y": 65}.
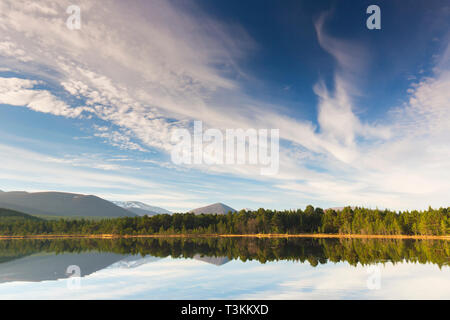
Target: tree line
{"x": 311, "y": 220}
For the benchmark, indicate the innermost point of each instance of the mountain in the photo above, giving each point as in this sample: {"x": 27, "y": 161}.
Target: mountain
{"x": 339, "y": 208}
{"x": 61, "y": 204}
{"x": 141, "y": 208}
{"x": 218, "y": 208}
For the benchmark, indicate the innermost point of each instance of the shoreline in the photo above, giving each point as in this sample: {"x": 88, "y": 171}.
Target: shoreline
{"x": 273, "y": 235}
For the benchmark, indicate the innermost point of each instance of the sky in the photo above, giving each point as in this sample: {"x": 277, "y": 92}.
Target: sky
{"x": 363, "y": 115}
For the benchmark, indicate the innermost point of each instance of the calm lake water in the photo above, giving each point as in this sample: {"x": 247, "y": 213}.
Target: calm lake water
{"x": 238, "y": 268}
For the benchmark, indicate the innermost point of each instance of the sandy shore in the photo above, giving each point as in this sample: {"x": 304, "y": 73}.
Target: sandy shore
{"x": 318, "y": 235}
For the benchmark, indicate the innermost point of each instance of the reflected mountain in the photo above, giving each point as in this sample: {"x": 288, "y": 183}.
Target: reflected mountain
{"x": 218, "y": 261}
{"x": 50, "y": 266}
{"x": 131, "y": 262}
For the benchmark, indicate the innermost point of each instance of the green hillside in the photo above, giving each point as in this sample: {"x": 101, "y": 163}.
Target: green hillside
{"x": 7, "y": 215}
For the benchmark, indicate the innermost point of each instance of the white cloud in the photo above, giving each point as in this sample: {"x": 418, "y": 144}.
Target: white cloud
{"x": 20, "y": 92}
{"x": 9, "y": 49}
{"x": 119, "y": 139}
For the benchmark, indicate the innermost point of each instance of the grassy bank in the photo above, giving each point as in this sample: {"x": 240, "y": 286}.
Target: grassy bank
{"x": 260, "y": 235}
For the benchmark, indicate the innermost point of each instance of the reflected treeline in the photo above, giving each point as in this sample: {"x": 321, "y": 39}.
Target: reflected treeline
{"x": 313, "y": 251}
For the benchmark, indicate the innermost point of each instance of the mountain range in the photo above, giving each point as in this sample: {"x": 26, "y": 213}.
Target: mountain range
{"x": 61, "y": 204}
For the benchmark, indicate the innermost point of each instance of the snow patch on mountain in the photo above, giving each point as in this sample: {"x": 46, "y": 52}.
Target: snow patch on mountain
{"x": 141, "y": 208}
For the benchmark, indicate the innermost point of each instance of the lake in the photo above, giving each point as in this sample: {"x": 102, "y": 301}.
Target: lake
{"x": 224, "y": 268}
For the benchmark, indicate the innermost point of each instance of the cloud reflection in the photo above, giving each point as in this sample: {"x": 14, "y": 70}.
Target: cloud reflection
{"x": 191, "y": 279}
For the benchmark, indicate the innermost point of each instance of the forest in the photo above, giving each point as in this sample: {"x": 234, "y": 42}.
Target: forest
{"x": 311, "y": 220}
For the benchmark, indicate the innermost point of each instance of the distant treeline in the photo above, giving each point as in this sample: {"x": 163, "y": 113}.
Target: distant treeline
{"x": 311, "y": 220}
{"x": 313, "y": 251}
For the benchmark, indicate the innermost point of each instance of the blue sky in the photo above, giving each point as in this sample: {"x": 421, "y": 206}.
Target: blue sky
{"x": 364, "y": 115}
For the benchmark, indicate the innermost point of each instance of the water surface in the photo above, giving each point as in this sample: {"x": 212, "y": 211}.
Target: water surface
{"x": 225, "y": 268}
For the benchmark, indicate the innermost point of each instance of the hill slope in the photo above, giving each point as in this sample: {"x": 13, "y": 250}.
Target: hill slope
{"x": 61, "y": 204}
{"x": 218, "y": 208}
{"x": 7, "y": 215}
{"x": 141, "y": 208}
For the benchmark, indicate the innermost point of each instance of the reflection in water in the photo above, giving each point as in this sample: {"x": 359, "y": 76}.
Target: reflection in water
{"x": 248, "y": 267}
{"x": 48, "y": 266}
{"x": 313, "y": 251}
